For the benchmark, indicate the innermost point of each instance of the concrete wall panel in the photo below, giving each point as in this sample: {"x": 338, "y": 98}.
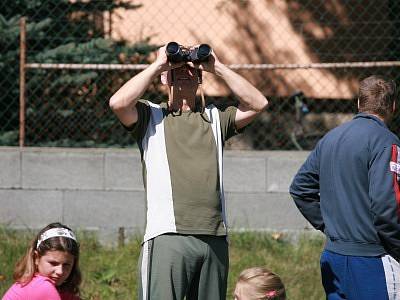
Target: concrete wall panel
{"x": 272, "y": 211}
{"x": 99, "y": 209}
{"x": 62, "y": 170}
{"x": 30, "y": 208}
{"x": 102, "y": 190}
{"x": 123, "y": 171}
{"x": 10, "y": 169}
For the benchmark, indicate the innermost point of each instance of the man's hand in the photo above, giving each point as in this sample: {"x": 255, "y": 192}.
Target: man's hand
{"x": 207, "y": 66}
{"x": 123, "y": 102}
{"x": 251, "y": 100}
{"x": 162, "y": 60}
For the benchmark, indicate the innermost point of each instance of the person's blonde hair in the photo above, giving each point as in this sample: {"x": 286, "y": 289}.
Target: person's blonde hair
{"x": 264, "y": 284}
{"x": 25, "y": 268}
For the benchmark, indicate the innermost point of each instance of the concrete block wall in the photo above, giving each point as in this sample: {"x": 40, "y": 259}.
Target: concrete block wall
{"x": 102, "y": 190}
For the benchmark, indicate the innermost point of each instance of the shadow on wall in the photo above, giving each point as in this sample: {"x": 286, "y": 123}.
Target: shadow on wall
{"x": 309, "y": 31}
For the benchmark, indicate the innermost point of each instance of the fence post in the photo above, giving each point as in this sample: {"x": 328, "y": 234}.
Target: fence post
{"x": 22, "y": 70}
{"x": 121, "y": 236}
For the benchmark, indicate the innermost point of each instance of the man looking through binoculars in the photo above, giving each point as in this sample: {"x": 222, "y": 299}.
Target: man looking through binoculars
{"x": 185, "y": 251}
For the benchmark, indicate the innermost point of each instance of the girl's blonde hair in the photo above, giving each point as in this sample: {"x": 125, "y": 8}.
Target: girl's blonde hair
{"x": 25, "y": 268}
{"x": 263, "y": 283}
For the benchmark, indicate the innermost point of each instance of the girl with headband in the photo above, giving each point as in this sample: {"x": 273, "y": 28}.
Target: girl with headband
{"x": 50, "y": 268}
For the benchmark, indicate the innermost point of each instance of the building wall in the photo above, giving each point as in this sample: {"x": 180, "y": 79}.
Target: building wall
{"x": 269, "y": 32}
{"x": 101, "y": 189}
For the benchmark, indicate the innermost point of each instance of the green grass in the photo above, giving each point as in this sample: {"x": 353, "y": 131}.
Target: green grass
{"x": 110, "y": 273}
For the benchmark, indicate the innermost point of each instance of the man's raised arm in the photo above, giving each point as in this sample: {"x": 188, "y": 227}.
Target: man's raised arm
{"x": 251, "y": 100}
{"x": 123, "y": 102}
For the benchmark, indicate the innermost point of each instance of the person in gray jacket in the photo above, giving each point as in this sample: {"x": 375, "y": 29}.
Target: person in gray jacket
{"x": 349, "y": 188}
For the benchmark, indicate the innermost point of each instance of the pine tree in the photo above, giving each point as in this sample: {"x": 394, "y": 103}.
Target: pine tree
{"x": 64, "y": 107}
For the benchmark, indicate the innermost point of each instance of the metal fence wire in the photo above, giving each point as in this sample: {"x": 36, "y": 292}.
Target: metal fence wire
{"x": 62, "y": 65}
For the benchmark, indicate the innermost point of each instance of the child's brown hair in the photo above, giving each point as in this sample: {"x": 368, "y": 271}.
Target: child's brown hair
{"x": 25, "y": 268}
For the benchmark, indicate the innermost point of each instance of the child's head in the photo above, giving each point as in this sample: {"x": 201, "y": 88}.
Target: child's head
{"x": 53, "y": 253}
{"x": 259, "y": 283}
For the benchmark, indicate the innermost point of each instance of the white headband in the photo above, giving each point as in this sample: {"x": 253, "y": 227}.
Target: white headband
{"x": 54, "y": 232}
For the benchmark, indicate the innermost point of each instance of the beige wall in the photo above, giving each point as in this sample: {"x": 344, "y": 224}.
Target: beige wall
{"x": 254, "y": 32}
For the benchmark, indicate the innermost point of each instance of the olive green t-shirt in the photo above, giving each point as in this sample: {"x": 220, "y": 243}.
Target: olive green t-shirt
{"x": 188, "y": 192}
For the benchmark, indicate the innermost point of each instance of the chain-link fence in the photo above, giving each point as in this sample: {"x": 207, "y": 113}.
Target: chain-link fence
{"x": 78, "y": 53}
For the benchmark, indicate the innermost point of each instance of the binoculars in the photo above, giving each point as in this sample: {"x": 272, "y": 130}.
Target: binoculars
{"x": 178, "y": 53}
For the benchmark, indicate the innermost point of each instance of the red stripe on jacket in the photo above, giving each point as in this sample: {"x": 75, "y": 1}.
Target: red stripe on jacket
{"x": 395, "y": 182}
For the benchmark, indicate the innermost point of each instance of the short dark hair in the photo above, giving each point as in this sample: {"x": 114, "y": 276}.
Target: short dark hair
{"x": 377, "y": 95}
